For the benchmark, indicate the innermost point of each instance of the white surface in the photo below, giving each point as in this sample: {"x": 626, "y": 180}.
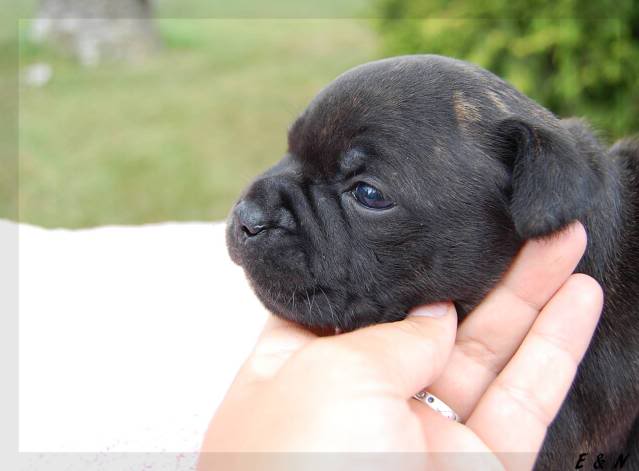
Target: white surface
{"x": 129, "y": 336}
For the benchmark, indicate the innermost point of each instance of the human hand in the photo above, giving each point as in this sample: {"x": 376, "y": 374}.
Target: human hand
{"x": 505, "y": 371}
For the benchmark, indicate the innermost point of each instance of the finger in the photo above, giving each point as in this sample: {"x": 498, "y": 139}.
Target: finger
{"x": 405, "y": 355}
{"x": 278, "y": 341}
{"x": 446, "y": 438}
{"x": 514, "y": 413}
{"x": 488, "y": 338}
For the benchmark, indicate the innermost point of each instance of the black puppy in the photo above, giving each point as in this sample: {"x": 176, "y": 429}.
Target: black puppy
{"x": 417, "y": 179}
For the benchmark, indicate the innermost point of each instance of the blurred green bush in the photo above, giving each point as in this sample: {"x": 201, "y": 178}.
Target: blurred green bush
{"x": 564, "y": 54}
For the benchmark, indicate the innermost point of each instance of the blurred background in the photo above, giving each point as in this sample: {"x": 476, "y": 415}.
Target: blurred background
{"x": 135, "y": 113}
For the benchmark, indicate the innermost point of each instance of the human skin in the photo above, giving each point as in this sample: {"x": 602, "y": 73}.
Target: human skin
{"x": 505, "y": 370}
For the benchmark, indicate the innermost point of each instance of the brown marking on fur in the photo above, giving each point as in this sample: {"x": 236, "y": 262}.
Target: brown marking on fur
{"x": 498, "y": 102}
{"x": 465, "y": 111}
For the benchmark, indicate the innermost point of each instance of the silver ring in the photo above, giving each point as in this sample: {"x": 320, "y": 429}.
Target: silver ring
{"x": 437, "y": 405}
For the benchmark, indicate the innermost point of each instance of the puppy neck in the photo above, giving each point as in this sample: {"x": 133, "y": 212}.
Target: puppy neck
{"x": 612, "y": 223}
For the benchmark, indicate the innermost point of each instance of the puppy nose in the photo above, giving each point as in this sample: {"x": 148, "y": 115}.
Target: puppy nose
{"x": 251, "y": 218}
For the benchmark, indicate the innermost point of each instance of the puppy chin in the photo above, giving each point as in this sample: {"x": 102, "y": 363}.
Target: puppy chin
{"x": 294, "y": 307}
{"x": 318, "y": 310}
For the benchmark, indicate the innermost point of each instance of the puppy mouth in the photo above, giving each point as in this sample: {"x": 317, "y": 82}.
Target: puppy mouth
{"x": 277, "y": 267}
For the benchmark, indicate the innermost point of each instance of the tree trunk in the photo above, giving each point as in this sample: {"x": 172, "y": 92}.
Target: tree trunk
{"x": 94, "y": 30}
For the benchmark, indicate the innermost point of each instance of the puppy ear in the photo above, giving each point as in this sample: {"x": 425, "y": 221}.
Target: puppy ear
{"x": 552, "y": 182}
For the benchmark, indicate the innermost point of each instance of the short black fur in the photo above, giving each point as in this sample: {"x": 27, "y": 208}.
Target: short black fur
{"x": 475, "y": 168}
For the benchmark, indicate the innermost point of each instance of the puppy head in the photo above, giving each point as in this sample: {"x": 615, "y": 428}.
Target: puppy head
{"x": 408, "y": 180}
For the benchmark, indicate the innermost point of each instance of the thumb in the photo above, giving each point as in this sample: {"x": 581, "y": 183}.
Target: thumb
{"x": 411, "y": 353}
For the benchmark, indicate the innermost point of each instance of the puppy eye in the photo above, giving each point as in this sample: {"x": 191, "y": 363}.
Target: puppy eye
{"x": 371, "y": 197}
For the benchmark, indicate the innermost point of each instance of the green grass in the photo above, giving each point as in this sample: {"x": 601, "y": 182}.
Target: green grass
{"x": 11, "y": 11}
{"x": 178, "y": 136}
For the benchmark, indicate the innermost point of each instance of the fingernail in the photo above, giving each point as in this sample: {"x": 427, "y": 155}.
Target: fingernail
{"x": 430, "y": 310}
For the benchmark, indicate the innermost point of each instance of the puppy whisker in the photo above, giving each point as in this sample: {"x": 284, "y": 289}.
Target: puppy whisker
{"x": 293, "y": 298}
{"x": 330, "y": 307}
{"x": 308, "y": 300}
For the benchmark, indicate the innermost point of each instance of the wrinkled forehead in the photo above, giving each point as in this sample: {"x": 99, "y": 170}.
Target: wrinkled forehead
{"x": 370, "y": 112}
